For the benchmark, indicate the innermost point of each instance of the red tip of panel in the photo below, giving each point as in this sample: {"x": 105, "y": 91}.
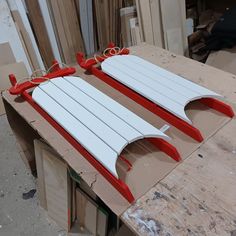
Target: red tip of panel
{"x": 218, "y": 106}
{"x": 55, "y": 66}
{"x": 12, "y": 79}
{"x": 166, "y": 147}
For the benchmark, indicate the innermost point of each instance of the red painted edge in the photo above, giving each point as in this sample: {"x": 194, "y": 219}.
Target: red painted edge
{"x": 126, "y": 161}
{"x": 18, "y": 89}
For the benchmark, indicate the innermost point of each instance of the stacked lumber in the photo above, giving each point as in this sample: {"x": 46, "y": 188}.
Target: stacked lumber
{"x": 162, "y": 23}
{"x": 107, "y": 22}
{"x": 36, "y": 19}
{"x": 102, "y": 20}
{"x": 128, "y": 22}
{"x": 67, "y": 28}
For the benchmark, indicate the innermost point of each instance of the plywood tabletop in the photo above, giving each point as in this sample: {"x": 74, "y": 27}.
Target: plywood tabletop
{"x": 199, "y": 196}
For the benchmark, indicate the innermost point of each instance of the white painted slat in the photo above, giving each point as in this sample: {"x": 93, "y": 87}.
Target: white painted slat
{"x": 81, "y": 133}
{"x": 162, "y": 87}
{"x": 129, "y": 117}
{"x": 100, "y": 129}
{"x": 99, "y": 110}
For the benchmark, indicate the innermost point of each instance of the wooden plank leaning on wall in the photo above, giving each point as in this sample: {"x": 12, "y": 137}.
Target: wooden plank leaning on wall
{"x": 40, "y": 31}
{"x": 67, "y": 27}
{"x": 25, "y": 32}
{"x": 162, "y": 23}
{"x": 102, "y": 22}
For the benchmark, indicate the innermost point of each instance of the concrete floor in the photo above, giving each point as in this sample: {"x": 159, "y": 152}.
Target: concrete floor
{"x": 17, "y": 216}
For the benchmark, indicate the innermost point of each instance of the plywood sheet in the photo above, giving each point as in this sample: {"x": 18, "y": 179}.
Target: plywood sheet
{"x": 86, "y": 212}
{"x": 8, "y": 33}
{"x": 162, "y": 87}
{"x": 57, "y": 188}
{"x": 172, "y": 19}
{"x": 7, "y": 56}
{"x": 224, "y": 60}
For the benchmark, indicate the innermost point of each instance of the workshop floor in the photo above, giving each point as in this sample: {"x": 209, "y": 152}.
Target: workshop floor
{"x": 18, "y": 216}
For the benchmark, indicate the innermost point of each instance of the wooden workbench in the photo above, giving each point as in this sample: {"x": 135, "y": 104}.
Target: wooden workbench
{"x": 197, "y": 197}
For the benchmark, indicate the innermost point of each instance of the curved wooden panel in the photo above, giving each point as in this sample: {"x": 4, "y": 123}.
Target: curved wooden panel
{"x": 101, "y": 125}
{"x": 162, "y": 87}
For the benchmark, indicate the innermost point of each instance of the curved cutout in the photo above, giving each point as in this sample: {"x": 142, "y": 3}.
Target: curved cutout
{"x": 160, "y": 141}
{"x": 193, "y": 100}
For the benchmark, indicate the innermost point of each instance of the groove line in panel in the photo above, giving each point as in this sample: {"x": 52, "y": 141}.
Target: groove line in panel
{"x": 162, "y": 87}
{"x": 100, "y": 129}
{"x": 123, "y": 113}
{"x": 101, "y": 112}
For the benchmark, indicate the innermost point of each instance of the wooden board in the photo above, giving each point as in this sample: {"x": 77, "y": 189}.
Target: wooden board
{"x": 8, "y": 33}
{"x": 86, "y": 212}
{"x": 50, "y": 29}
{"x": 135, "y": 32}
{"x": 102, "y": 22}
{"x": 172, "y": 20}
{"x": 40, "y": 31}
{"x": 126, "y": 14}
{"x": 8, "y": 57}
{"x": 86, "y": 21}
{"x": 197, "y": 198}
{"x": 146, "y": 19}
{"x": 58, "y": 189}
{"x": 39, "y": 146}
{"x": 102, "y": 222}
{"x": 18, "y": 69}
{"x": 157, "y": 29}
{"x": 67, "y": 27}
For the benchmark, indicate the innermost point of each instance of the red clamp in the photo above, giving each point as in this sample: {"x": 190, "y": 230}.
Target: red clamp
{"x": 111, "y": 51}
{"x": 56, "y": 72}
